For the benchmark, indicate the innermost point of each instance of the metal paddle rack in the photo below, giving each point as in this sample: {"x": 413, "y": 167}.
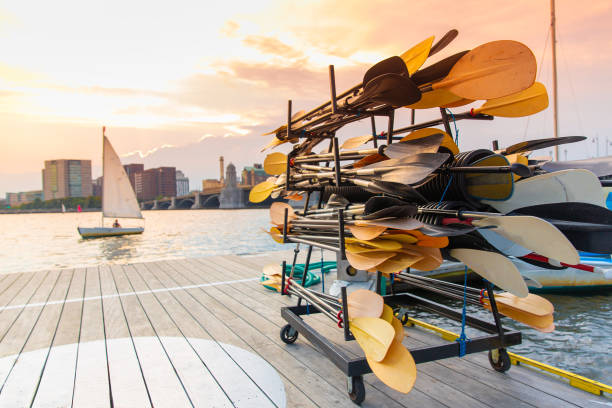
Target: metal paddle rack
{"x": 496, "y": 336}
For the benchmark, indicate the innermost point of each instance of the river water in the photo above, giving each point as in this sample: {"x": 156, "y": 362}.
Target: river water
{"x": 30, "y": 242}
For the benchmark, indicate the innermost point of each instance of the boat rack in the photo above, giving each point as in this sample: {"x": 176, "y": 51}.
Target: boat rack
{"x": 495, "y": 339}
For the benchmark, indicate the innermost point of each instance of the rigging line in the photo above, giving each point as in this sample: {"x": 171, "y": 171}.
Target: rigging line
{"x": 538, "y": 76}
{"x": 569, "y": 75}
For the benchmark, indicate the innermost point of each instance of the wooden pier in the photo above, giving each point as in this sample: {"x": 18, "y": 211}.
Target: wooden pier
{"x": 203, "y": 333}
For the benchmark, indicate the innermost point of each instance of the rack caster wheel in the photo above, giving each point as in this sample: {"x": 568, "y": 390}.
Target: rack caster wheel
{"x": 500, "y": 360}
{"x": 356, "y": 389}
{"x": 403, "y": 318}
{"x": 288, "y": 334}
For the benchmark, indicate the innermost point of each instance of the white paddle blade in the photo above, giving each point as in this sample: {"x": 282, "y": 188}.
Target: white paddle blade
{"x": 494, "y": 267}
{"x": 535, "y": 234}
{"x": 559, "y": 187}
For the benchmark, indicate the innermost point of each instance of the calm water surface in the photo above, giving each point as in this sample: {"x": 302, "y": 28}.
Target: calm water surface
{"x": 29, "y": 242}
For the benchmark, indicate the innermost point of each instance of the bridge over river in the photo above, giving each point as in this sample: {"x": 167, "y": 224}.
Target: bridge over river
{"x": 227, "y": 197}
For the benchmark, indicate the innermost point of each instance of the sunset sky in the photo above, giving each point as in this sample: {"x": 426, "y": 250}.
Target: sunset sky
{"x": 180, "y": 83}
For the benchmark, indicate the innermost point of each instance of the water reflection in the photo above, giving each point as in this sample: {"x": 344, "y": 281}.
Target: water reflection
{"x": 117, "y": 248}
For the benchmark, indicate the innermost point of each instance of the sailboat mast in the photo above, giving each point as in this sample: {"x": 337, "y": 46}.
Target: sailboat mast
{"x": 102, "y": 193}
{"x": 554, "y": 75}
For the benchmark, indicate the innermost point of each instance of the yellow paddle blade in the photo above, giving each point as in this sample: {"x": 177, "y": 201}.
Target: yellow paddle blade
{"x": 528, "y": 102}
{"x": 277, "y": 213}
{"x": 494, "y": 267}
{"x": 398, "y": 263}
{"x": 490, "y": 186}
{"x": 387, "y": 314}
{"x": 261, "y": 191}
{"x": 533, "y": 304}
{"x": 400, "y": 237}
{"x": 432, "y": 258}
{"x": 276, "y": 234}
{"x": 273, "y": 143}
{"x": 434, "y": 99}
{"x": 447, "y": 142}
{"x": 399, "y": 329}
{"x": 541, "y": 323}
{"x": 368, "y": 260}
{"x": 421, "y": 239}
{"x": 272, "y": 269}
{"x": 371, "y": 159}
{"x": 517, "y": 158}
{"x": 354, "y": 142}
{"x": 359, "y": 249}
{"x": 381, "y": 244}
{"x": 397, "y": 370}
{"x": 492, "y": 70}
{"x": 457, "y": 103}
{"x": 366, "y": 232}
{"x": 275, "y": 163}
{"x": 364, "y": 303}
{"x": 415, "y": 57}
{"x": 374, "y": 336}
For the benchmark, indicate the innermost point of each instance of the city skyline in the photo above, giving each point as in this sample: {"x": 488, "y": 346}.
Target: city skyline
{"x": 214, "y": 79}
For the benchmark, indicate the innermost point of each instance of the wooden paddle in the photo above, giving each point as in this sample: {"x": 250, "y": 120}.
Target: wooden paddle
{"x": 354, "y": 142}
{"x": 443, "y": 42}
{"x": 492, "y": 70}
{"x": 494, "y": 267}
{"x": 536, "y": 144}
{"x": 369, "y": 260}
{"x": 261, "y": 191}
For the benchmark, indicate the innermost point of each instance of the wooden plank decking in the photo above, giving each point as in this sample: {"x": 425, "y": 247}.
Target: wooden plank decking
{"x": 203, "y": 333}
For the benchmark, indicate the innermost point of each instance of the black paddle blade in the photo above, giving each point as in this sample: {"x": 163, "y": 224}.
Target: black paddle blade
{"x": 390, "y": 89}
{"x": 381, "y": 202}
{"x": 436, "y": 71}
{"x": 587, "y": 226}
{"x": 392, "y": 65}
{"x": 428, "y": 144}
{"x": 570, "y": 211}
{"x": 443, "y": 42}
{"x": 541, "y": 144}
{"x": 404, "y": 191}
{"x": 600, "y": 166}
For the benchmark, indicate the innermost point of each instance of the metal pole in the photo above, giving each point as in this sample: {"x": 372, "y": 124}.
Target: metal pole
{"x": 554, "y": 76}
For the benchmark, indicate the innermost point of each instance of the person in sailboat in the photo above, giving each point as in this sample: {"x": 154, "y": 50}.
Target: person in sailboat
{"x": 116, "y": 224}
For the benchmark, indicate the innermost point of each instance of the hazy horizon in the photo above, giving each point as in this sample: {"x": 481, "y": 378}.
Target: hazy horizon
{"x": 179, "y": 85}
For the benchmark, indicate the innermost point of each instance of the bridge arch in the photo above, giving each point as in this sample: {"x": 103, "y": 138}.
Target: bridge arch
{"x": 211, "y": 201}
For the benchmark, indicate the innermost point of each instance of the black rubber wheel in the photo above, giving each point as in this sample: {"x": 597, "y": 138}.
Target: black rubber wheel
{"x": 501, "y": 362}
{"x": 404, "y": 318}
{"x": 357, "y": 389}
{"x": 288, "y": 334}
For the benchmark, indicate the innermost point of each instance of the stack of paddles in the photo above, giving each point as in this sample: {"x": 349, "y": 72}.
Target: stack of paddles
{"x": 416, "y": 202}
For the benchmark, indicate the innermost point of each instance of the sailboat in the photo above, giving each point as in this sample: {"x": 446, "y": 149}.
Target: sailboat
{"x": 63, "y": 208}
{"x": 118, "y": 198}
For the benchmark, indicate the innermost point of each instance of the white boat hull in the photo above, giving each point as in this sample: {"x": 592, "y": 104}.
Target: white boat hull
{"x": 98, "y": 232}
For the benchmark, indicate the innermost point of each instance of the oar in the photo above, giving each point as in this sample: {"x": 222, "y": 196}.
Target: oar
{"x": 261, "y": 191}
{"x": 536, "y": 144}
{"x": 494, "y": 267}
{"x": 415, "y": 57}
{"x": 369, "y": 260}
{"x": 443, "y": 42}
{"x": 600, "y": 166}
{"x": 354, "y": 142}
{"x": 606, "y": 272}
{"x": 397, "y": 370}
{"x": 560, "y": 186}
{"x": 447, "y": 141}
{"x": 393, "y": 65}
{"x": 373, "y": 334}
{"x": 388, "y": 89}
{"x": 364, "y": 303}
{"x": 492, "y": 70}
{"x": 524, "y": 103}
{"x": 533, "y": 233}
{"x": 438, "y": 70}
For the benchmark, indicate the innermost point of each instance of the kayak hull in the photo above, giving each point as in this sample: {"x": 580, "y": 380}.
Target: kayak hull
{"x": 99, "y": 232}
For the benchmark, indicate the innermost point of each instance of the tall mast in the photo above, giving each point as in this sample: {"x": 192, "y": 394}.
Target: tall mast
{"x": 554, "y": 75}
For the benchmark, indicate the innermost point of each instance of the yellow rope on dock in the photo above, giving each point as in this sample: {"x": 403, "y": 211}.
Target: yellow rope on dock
{"x": 575, "y": 380}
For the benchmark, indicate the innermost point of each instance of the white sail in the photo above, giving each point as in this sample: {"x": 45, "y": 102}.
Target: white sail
{"x": 118, "y": 198}
{"x": 63, "y": 208}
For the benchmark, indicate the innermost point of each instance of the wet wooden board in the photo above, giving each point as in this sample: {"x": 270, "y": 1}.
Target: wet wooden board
{"x": 204, "y": 332}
